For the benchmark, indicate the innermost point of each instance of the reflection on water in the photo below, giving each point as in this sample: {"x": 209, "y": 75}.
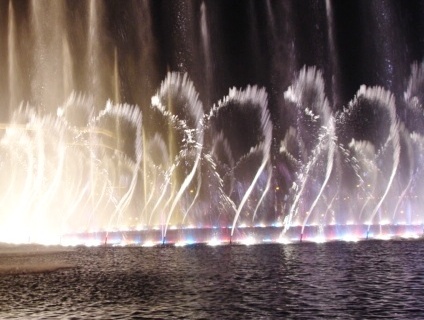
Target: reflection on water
{"x": 337, "y": 279}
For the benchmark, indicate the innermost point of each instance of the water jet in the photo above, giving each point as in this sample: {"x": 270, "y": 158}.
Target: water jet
{"x": 90, "y": 156}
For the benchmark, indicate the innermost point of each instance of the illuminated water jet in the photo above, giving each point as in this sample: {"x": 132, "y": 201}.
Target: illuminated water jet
{"x": 178, "y": 165}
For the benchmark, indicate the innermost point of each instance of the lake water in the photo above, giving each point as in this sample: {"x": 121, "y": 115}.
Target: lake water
{"x": 368, "y": 279}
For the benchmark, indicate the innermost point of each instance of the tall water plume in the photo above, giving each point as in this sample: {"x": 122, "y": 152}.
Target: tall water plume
{"x": 118, "y": 123}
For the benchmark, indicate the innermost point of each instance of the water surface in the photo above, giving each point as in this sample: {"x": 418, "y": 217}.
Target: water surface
{"x": 305, "y": 280}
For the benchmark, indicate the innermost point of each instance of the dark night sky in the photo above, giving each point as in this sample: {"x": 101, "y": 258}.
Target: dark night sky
{"x": 375, "y": 43}
{"x": 368, "y": 35}
{"x": 251, "y": 42}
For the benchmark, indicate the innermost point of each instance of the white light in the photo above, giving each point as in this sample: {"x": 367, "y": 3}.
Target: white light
{"x": 180, "y": 244}
{"x": 350, "y": 238}
{"x": 318, "y": 239}
{"x": 283, "y": 240}
{"x": 410, "y": 236}
{"x": 383, "y": 236}
{"x": 93, "y": 243}
{"x": 148, "y": 243}
{"x": 214, "y": 242}
{"x": 248, "y": 241}
{"x": 155, "y": 101}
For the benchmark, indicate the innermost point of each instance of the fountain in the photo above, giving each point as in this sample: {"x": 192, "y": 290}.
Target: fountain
{"x": 97, "y": 148}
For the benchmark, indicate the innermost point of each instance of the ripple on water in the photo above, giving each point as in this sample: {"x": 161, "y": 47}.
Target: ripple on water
{"x": 344, "y": 280}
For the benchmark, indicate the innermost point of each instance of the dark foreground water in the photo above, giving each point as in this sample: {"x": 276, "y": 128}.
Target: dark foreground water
{"x": 369, "y": 279}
